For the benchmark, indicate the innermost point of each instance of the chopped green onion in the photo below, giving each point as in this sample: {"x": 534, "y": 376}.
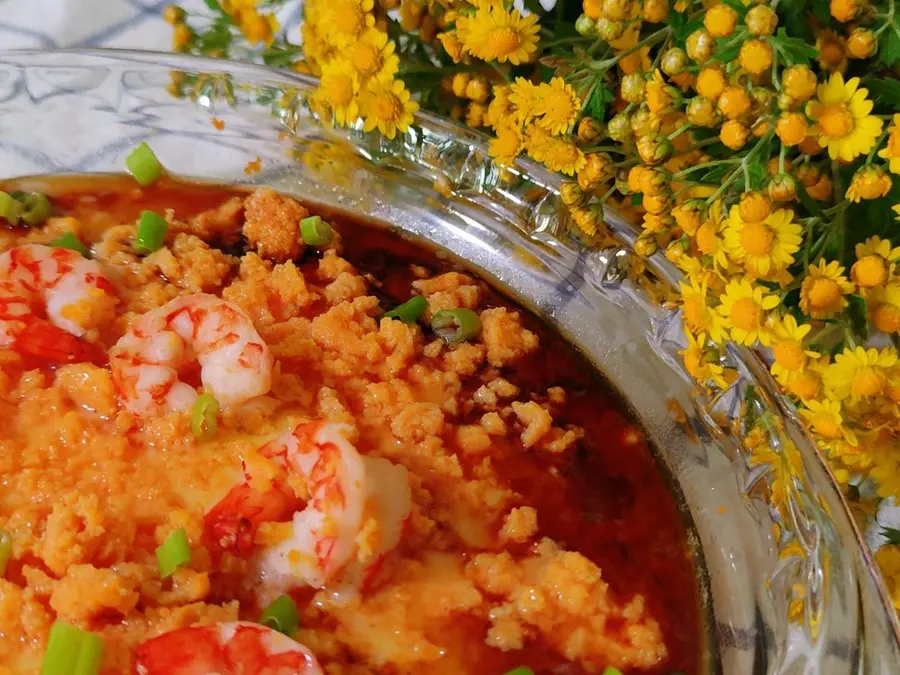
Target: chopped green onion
{"x": 204, "y": 422}
{"x": 151, "y": 232}
{"x": 315, "y": 231}
{"x": 612, "y": 671}
{"x": 281, "y": 615}
{"x": 409, "y": 311}
{"x": 71, "y": 241}
{"x": 174, "y": 552}
{"x": 35, "y": 208}
{"x": 72, "y": 651}
{"x": 5, "y": 550}
{"x": 456, "y": 325}
{"x": 520, "y": 670}
{"x": 143, "y": 165}
{"x": 9, "y": 208}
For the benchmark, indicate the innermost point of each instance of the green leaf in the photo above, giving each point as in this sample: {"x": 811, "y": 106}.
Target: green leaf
{"x": 794, "y": 50}
{"x": 213, "y": 5}
{"x": 859, "y": 318}
{"x": 758, "y": 174}
{"x": 717, "y": 174}
{"x": 870, "y": 217}
{"x": 684, "y": 27}
{"x": 637, "y": 199}
{"x": 600, "y": 97}
{"x": 727, "y": 49}
{"x": 892, "y": 534}
{"x": 737, "y": 6}
{"x": 281, "y": 56}
{"x": 884, "y": 90}
{"x": 889, "y": 45}
{"x": 793, "y": 16}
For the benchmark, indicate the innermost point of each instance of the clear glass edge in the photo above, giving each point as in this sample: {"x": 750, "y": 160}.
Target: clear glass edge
{"x": 750, "y": 362}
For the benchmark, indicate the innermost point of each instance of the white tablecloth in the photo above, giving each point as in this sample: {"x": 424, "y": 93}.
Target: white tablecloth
{"x": 137, "y": 24}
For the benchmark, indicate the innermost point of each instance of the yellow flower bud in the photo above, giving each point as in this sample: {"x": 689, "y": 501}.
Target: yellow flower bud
{"x": 761, "y": 20}
{"x": 478, "y": 89}
{"x": 589, "y": 129}
{"x": 720, "y": 20}
{"x": 861, "y": 44}
{"x": 782, "y": 188}
{"x": 460, "y": 84}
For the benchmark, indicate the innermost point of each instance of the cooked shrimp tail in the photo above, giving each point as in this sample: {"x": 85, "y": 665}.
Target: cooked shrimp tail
{"x": 239, "y": 648}
{"x": 44, "y": 342}
{"x": 232, "y": 524}
{"x": 70, "y": 291}
{"x": 348, "y": 493}
{"x": 235, "y": 363}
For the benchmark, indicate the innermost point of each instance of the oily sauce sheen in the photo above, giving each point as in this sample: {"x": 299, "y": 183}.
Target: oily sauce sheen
{"x": 605, "y": 498}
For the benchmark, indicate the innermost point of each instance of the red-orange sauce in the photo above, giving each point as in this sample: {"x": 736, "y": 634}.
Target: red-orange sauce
{"x": 609, "y": 500}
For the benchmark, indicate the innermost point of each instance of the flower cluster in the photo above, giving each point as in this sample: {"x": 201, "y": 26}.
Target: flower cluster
{"x": 755, "y": 143}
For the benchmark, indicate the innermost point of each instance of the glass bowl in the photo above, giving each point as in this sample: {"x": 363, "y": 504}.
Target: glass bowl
{"x": 787, "y": 583}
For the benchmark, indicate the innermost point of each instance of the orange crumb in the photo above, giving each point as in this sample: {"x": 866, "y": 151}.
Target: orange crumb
{"x": 721, "y": 510}
{"x": 253, "y": 166}
{"x": 631, "y": 436}
{"x": 218, "y": 124}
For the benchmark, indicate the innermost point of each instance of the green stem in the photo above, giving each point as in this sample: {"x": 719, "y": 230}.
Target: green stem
{"x": 567, "y": 40}
{"x": 603, "y": 66}
{"x": 877, "y": 145}
{"x": 707, "y": 165}
{"x": 889, "y": 19}
{"x": 675, "y": 134}
{"x": 745, "y": 163}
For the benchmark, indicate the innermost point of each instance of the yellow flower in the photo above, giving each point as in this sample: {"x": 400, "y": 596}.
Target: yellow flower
{"x": 385, "y": 105}
{"x": 341, "y": 22}
{"x": 843, "y": 122}
{"x": 557, "y": 154}
{"x": 337, "y": 90}
{"x": 787, "y": 347}
{"x": 896, "y": 209}
{"x": 891, "y": 150}
{"x": 832, "y": 51}
{"x": 558, "y": 106}
{"x": 372, "y": 55}
{"x": 507, "y": 144}
{"x": 888, "y": 559}
{"x": 315, "y": 48}
{"x": 743, "y": 310}
{"x": 807, "y": 383}
{"x": 823, "y": 290}
{"x": 875, "y": 260}
{"x": 869, "y": 182}
{"x": 494, "y": 34}
{"x": 709, "y": 238}
{"x": 860, "y": 372}
{"x": 699, "y": 317}
{"x": 525, "y": 96}
{"x": 703, "y": 364}
{"x": 766, "y": 247}
{"x": 700, "y": 275}
{"x": 257, "y": 27}
{"x": 452, "y": 45}
{"x": 500, "y": 107}
{"x": 825, "y": 420}
{"x": 884, "y": 307}
{"x": 659, "y": 98}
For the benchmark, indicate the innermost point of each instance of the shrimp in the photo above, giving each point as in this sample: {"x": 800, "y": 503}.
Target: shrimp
{"x": 357, "y": 509}
{"x": 235, "y": 363}
{"x": 237, "y": 648}
{"x": 70, "y": 289}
